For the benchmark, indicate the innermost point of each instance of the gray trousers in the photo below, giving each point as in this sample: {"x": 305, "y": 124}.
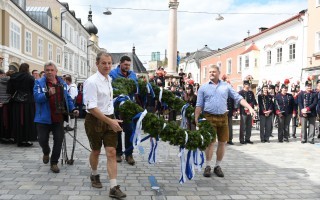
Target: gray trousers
{"x": 307, "y": 135}
{"x": 230, "y": 128}
{"x": 245, "y": 127}
{"x": 283, "y": 127}
{"x": 265, "y": 127}
{"x": 294, "y": 125}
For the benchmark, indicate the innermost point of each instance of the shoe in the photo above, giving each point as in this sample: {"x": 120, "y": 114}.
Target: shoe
{"x": 130, "y": 160}
{"x": 312, "y": 142}
{"x": 45, "y": 159}
{"x": 286, "y": 139}
{"x": 207, "y": 171}
{"x": 271, "y": 135}
{"x": 280, "y": 141}
{"x": 230, "y": 142}
{"x": 303, "y": 142}
{"x": 54, "y": 168}
{"x": 68, "y": 128}
{"x": 115, "y": 192}
{"x": 249, "y": 142}
{"x": 267, "y": 141}
{"x": 263, "y": 141}
{"x": 218, "y": 171}
{"x": 95, "y": 181}
{"x": 242, "y": 142}
{"x": 119, "y": 158}
{"x": 28, "y": 144}
{"x": 294, "y": 136}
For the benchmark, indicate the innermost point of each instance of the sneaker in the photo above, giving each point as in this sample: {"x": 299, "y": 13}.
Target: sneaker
{"x": 218, "y": 171}
{"x": 130, "y": 160}
{"x": 207, "y": 171}
{"x": 54, "y": 168}
{"x": 95, "y": 181}
{"x": 115, "y": 192}
{"x": 119, "y": 158}
{"x": 45, "y": 159}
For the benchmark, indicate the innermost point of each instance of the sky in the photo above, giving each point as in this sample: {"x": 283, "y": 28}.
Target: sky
{"x": 148, "y": 30}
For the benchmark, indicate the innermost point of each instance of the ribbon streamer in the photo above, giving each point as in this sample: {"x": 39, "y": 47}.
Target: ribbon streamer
{"x": 136, "y": 135}
{"x": 160, "y": 94}
{"x": 198, "y": 158}
{"x": 183, "y": 115}
{"x": 152, "y": 159}
{"x": 190, "y": 165}
{"x": 183, "y": 161}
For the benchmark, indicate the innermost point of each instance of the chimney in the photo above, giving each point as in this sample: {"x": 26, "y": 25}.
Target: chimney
{"x": 133, "y": 50}
{"x": 262, "y": 29}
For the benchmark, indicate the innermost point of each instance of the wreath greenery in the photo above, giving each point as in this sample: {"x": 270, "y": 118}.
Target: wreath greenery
{"x": 123, "y": 86}
{"x": 153, "y": 125}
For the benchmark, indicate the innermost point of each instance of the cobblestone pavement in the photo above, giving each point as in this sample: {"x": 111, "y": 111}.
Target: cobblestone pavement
{"x": 259, "y": 171}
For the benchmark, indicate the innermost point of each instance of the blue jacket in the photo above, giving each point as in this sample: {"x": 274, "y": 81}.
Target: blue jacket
{"x": 116, "y": 73}
{"x": 43, "y": 114}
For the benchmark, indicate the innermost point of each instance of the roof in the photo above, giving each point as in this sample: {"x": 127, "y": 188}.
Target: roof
{"x": 301, "y": 13}
{"x": 135, "y": 61}
{"x": 197, "y": 55}
{"x": 253, "y": 47}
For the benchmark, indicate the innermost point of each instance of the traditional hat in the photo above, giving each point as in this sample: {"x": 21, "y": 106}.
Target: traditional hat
{"x": 246, "y": 82}
{"x": 308, "y": 82}
{"x": 272, "y": 87}
{"x": 284, "y": 86}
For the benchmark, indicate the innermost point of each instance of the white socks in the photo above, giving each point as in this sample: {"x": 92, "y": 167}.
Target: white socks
{"x": 218, "y": 163}
{"x": 208, "y": 163}
{"x": 113, "y": 183}
{"x": 94, "y": 172}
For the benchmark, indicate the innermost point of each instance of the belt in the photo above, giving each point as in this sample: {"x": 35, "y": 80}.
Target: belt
{"x": 216, "y": 115}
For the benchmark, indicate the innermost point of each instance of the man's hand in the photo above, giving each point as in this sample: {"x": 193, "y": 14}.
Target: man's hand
{"x": 293, "y": 115}
{"x": 252, "y": 112}
{"x": 304, "y": 110}
{"x": 76, "y": 113}
{"x": 114, "y": 124}
{"x": 52, "y": 91}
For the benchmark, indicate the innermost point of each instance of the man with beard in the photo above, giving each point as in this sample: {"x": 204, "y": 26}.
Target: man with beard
{"x": 212, "y": 100}
{"x": 308, "y": 101}
{"x": 123, "y": 71}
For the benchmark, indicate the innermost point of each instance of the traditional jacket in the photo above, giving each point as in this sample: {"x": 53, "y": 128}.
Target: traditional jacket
{"x": 265, "y": 103}
{"x": 309, "y": 101}
{"x": 250, "y": 98}
{"x": 285, "y": 104}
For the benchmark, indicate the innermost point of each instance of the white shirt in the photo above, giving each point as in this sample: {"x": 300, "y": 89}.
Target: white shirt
{"x": 98, "y": 93}
{"x": 72, "y": 90}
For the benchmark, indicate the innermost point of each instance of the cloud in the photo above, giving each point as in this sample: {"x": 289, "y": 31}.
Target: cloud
{"x": 148, "y": 31}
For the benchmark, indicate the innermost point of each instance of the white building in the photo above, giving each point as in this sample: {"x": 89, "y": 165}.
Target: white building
{"x": 277, "y": 53}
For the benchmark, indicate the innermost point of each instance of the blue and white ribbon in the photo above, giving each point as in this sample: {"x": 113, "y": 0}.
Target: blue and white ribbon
{"x": 120, "y": 99}
{"x": 183, "y": 161}
{"x": 160, "y": 94}
{"x": 183, "y": 115}
{"x": 136, "y": 135}
{"x": 190, "y": 165}
{"x": 152, "y": 159}
{"x": 198, "y": 158}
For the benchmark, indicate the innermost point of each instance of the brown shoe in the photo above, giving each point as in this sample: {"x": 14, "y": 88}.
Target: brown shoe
{"x": 95, "y": 181}
{"x": 45, "y": 159}
{"x": 54, "y": 168}
{"x": 115, "y": 192}
{"x": 119, "y": 158}
{"x": 130, "y": 160}
{"x": 218, "y": 171}
{"x": 207, "y": 171}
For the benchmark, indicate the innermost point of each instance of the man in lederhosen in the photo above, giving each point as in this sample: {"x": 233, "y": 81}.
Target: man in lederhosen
{"x": 307, "y": 101}
{"x": 245, "y": 116}
{"x": 285, "y": 109}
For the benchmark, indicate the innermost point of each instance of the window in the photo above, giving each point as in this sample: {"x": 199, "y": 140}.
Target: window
{"x": 240, "y": 65}
{"x": 279, "y": 55}
{"x": 49, "y": 23}
{"x": 219, "y": 65}
{"x": 256, "y": 62}
{"x": 246, "y": 61}
{"x": 66, "y": 31}
{"x": 71, "y": 62}
{"x": 40, "y": 48}
{"x": 50, "y": 52}
{"x": 15, "y": 35}
{"x": 317, "y": 3}
{"x": 58, "y": 55}
{"x": 268, "y": 57}
{"x": 317, "y": 41}
{"x": 292, "y": 51}
{"x": 204, "y": 72}
{"x": 66, "y": 60}
{"x": 28, "y": 45}
{"x": 71, "y": 35}
{"x": 229, "y": 66}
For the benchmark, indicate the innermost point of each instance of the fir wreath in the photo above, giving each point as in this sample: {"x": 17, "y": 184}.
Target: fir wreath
{"x": 153, "y": 125}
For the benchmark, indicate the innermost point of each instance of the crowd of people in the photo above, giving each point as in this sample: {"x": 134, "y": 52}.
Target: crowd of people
{"x": 34, "y": 104}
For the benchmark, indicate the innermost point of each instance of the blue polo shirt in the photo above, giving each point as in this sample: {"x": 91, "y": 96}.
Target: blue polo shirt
{"x": 212, "y": 98}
